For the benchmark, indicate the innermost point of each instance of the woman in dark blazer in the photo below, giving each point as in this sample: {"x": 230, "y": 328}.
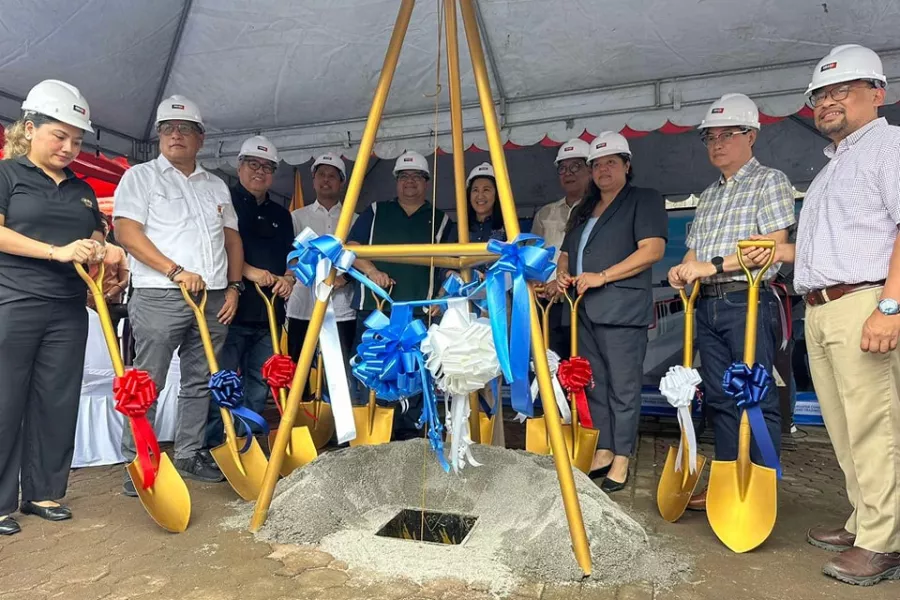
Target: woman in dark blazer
{"x": 613, "y": 238}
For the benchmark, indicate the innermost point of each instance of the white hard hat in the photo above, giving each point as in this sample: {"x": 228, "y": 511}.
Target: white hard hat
{"x": 732, "y": 110}
{"x": 483, "y": 170}
{"x": 332, "y": 159}
{"x": 574, "y": 148}
{"x": 847, "y": 63}
{"x": 179, "y": 108}
{"x": 61, "y": 101}
{"x": 411, "y": 161}
{"x": 608, "y": 143}
{"x": 259, "y": 147}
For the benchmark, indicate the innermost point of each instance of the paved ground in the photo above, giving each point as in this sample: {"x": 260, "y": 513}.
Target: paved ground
{"x": 111, "y": 550}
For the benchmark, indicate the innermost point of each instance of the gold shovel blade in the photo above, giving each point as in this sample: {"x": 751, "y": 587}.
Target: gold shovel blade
{"x": 674, "y": 491}
{"x": 244, "y": 473}
{"x": 167, "y": 501}
{"x": 301, "y": 450}
{"x": 741, "y": 522}
{"x": 486, "y": 428}
{"x": 382, "y": 426}
{"x": 536, "y": 440}
{"x": 321, "y": 428}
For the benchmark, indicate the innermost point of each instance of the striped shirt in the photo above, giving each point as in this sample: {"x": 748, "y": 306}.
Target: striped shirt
{"x": 850, "y": 214}
{"x": 755, "y": 200}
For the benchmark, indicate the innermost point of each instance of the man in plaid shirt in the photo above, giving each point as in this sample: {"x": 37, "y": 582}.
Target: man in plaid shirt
{"x": 747, "y": 199}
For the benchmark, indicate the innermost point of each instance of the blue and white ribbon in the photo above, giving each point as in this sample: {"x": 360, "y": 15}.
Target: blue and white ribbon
{"x": 559, "y": 395}
{"x": 518, "y": 264}
{"x": 679, "y": 386}
{"x": 227, "y": 392}
{"x": 748, "y": 387}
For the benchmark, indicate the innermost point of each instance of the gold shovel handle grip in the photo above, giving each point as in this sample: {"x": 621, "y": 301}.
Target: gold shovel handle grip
{"x": 755, "y": 281}
{"x": 200, "y": 315}
{"x": 753, "y": 292}
{"x": 379, "y": 301}
{"x": 688, "y": 302}
{"x": 270, "y": 313}
{"x": 95, "y": 285}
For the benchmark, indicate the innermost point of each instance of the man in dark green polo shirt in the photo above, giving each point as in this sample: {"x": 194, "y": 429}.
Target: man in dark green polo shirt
{"x": 407, "y": 219}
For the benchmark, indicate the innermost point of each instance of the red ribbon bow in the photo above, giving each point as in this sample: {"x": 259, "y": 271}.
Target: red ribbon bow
{"x": 575, "y": 375}
{"x": 278, "y": 372}
{"x": 134, "y": 393}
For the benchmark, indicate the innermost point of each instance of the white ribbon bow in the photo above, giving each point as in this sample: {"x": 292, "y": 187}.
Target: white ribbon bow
{"x": 330, "y": 343}
{"x": 565, "y": 413}
{"x": 461, "y": 356}
{"x": 679, "y": 386}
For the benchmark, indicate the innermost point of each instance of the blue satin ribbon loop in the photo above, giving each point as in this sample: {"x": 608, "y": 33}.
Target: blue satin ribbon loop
{"x": 519, "y": 262}
{"x": 748, "y": 387}
{"x": 228, "y": 393}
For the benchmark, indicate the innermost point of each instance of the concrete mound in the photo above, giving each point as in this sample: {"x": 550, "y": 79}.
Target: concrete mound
{"x": 341, "y": 499}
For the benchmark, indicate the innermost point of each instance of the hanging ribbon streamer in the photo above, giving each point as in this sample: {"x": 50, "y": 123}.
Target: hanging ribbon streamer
{"x": 748, "y": 387}
{"x": 518, "y": 263}
{"x": 278, "y": 372}
{"x": 558, "y": 393}
{"x": 134, "y": 394}
{"x": 679, "y": 386}
{"x": 462, "y": 359}
{"x": 227, "y": 393}
{"x": 575, "y": 375}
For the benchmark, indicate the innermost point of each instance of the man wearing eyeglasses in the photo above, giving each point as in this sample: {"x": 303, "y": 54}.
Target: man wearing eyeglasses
{"x": 266, "y": 235}
{"x": 177, "y": 222}
{"x": 550, "y": 223}
{"x": 748, "y": 199}
{"x": 847, "y": 266}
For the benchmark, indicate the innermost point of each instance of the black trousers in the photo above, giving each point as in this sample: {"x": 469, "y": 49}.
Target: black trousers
{"x": 42, "y": 346}
{"x": 297, "y": 329}
{"x": 560, "y": 340}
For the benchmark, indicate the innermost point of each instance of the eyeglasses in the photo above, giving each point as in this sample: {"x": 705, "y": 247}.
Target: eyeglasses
{"x": 410, "y": 176}
{"x": 183, "y": 128}
{"x": 255, "y": 165}
{"x": 573, "y": 168}
{"x": 709, "y": 139}
{"x": 837, "y": 94}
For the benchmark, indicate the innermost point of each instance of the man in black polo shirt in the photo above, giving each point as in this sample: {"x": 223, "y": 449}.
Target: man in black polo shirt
{"x": 407, "y": 219}
{"x": 267, "y": 233}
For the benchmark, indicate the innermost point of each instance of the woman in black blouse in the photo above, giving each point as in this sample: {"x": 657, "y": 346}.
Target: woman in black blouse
{"x": 48, "y": 219}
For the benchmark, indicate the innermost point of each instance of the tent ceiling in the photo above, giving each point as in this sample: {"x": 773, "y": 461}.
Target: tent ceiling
{"x": 304, "y": 72}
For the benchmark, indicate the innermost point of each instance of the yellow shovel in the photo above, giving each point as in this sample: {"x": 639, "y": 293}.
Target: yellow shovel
{"x": 374, "y": 423}
{"x": 167, "y": 501}
{"x": 742, "y": 498}
{"x": 301, "y": 449}
{"x": 676, "y": 488}
{"x": 536, "y": 440}
{"x": 244, "y": 471}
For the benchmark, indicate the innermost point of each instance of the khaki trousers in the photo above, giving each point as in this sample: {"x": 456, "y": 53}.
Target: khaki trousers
{"x": 858, "y": 395}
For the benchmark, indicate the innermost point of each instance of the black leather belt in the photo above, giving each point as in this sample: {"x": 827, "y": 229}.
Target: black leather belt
{"x": 718, "y": 290}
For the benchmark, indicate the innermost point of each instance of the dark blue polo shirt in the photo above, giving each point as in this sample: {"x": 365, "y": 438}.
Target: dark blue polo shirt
{"x": 35, "y": 206}
{"x": 267, "y": 233}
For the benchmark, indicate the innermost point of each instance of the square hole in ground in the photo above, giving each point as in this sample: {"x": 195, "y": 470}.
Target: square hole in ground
{"x": 435, "y": 528}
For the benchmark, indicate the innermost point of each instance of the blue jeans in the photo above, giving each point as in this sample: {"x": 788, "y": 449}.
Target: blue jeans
{"x": 720, "y": 341}
{"x": 246, "y": 350}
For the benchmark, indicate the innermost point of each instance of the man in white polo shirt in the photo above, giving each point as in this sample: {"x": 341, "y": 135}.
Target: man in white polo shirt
{"x": 178, "y": 224}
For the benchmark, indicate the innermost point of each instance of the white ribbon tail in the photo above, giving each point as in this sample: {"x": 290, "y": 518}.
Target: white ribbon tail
{"x": 684, "y": 420}
{"x": 461, "y": 439}
{"x": 333, "y": 360}
{"x": 565, "y": 413}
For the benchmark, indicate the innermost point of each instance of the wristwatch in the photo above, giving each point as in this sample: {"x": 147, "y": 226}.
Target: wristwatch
{"x": 719, "y": 263}
{"x": 889, "y": 307}
{"x": 237, "y": 285}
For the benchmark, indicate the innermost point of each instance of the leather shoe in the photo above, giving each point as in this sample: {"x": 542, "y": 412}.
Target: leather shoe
{"x": 697, "y": 502}
{"x": 50, "y": 513}
{"x": 609, "y": 486}
{"x": 599, "y": 473}
{"x": 9, "y": 526}
{"x": 831, "y": 539}
{"x": 859, "y": 566}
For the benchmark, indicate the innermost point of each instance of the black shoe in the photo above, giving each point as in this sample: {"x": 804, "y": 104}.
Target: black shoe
{"x": 600, "y": 473}
{"x": 208, "y": 459}
{"x": 197, "y": 469}
{"x": 128, "y": 487}
{"x": 50, "y": 513}
{"x": 609, "y": 486}
{"x": 9, "y": 526}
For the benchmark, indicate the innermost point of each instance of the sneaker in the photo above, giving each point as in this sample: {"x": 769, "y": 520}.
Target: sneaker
{"x": 128, "y": 487}
{"x": 196, "y": 468}
{"x": 208, "y": 459}
{"x": 793, "y": 428}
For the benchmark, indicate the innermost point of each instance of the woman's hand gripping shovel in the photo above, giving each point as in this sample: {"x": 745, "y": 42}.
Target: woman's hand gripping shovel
{"x": 683, "y": 465}
{"x": 374, "y": 423}
{"x": 159, "y": 486}
{"x": 742, "y": 498}
{"x": 241, "y": 460}
{"x": 278, "y": 372}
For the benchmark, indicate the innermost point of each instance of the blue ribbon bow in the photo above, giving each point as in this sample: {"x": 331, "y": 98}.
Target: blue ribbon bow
{"x": 748, "y": 387}
{"x": 522, "y": 263}
{"x": 227, "y": 392}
